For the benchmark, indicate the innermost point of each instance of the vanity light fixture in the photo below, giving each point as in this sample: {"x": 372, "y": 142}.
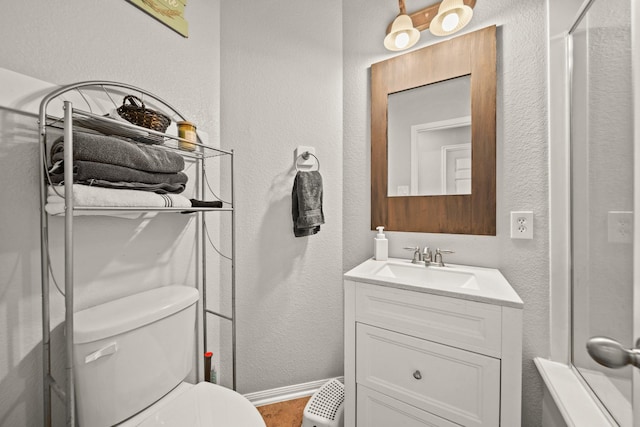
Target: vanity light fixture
{"x": 442, "y": 19}
{"x": 402, "y": 34}
{"x": 453, "y": 15}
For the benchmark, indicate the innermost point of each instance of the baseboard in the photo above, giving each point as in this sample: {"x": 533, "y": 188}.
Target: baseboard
{"x": 282, "y": 394}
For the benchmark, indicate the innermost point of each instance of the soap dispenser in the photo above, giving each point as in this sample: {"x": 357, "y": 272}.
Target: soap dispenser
{"x": 381, "y": 246}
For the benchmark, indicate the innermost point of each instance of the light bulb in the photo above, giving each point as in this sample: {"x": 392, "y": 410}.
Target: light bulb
{"x": 450, "y": 21}
{"x": 402, "y": 40}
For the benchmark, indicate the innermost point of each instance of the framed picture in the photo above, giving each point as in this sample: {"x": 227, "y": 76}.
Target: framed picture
{"x": 169, "y": 12}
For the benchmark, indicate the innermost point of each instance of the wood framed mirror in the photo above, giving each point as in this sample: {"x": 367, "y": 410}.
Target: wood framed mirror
{"x": 472, "y": 56}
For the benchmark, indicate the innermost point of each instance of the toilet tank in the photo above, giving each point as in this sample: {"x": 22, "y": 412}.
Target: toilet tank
{"x": 130, "y": 352}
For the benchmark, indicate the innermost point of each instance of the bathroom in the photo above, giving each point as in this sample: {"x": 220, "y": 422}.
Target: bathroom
{"x": 262, "y": 78}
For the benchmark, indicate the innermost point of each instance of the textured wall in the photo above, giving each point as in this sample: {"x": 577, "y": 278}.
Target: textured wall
{"x": 62, "y": 43}
{"x": 521, "y": 160}
{"x": 281, "y": 68}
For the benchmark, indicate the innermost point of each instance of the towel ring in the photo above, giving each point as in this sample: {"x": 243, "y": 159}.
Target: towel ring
{"x": 305, "y": 156}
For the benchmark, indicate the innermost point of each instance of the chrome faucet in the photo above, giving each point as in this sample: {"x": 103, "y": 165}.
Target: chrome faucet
{"x": 425, "y": 256}
{"x": 437, "y": 259}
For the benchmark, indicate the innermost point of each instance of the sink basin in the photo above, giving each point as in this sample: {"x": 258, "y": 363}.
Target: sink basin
{"x": 461, "y": 281}
{"x": 421, "y": 275}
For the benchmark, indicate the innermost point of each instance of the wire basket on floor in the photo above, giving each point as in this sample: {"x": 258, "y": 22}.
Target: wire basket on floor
{"x": 326, "y": 406}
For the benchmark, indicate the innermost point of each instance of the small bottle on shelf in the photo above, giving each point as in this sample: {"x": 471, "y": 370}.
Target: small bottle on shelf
{"x": 187, "y": 131}
{"x": 207, "y": 366}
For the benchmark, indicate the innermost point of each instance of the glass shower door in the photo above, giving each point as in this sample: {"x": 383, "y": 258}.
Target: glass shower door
{"x": 602, "y": 205}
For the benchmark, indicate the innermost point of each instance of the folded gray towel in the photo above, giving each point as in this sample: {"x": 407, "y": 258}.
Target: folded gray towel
{"x": 117, "y": 151}
{"x": 306, "y": 206}
{"x": 114, "y": 176}
{"x": 162, "y": 188}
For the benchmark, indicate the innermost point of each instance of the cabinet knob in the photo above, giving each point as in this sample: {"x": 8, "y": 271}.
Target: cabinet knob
{"x": 417, "y": 375}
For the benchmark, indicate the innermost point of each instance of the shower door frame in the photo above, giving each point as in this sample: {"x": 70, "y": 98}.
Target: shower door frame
{"x": 560, "y": 208}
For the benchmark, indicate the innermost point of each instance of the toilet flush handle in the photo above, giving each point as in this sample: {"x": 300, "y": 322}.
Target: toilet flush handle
{"x": 104, "y": 351}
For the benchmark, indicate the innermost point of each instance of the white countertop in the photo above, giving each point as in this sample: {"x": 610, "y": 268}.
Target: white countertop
{"x": 480, "y": 284}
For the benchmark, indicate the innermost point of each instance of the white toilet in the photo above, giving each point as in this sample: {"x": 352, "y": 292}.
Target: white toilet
{"x": 131, "y": 356}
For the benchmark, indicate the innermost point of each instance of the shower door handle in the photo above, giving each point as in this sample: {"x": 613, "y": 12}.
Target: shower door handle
{"x": 612, "y": 354}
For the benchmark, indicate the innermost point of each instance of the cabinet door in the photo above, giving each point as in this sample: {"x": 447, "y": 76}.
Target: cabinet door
{"x": 378, "y": 410}
{"x": 455, "y": 384}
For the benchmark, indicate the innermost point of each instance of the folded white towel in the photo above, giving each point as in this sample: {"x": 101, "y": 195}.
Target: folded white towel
{"x": 57, "y": 209}
{"x": 89, "y": 196}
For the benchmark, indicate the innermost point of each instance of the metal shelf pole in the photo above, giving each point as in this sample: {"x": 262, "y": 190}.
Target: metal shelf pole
{"x": 68, "y": 267}
{"x": 202, "y": 221}
{"x": 44, "y": 277}
{"x": 233, "y": 275}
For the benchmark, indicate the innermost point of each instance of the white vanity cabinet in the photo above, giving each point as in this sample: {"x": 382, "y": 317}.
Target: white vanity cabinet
{"x": 422, "y": 356}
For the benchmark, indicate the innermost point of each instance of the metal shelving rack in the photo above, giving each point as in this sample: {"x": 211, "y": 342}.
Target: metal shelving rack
{"x": 77, "y": 119}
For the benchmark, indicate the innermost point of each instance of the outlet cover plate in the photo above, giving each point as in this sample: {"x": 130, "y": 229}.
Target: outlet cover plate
{"x": 522, "y": 225}
{"x": 620, "y": 226}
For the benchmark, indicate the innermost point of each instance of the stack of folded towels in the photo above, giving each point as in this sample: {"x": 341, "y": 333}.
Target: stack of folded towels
{"x": 112, "y": 172}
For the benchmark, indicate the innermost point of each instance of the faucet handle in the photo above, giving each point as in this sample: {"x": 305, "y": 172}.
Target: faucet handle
{"x": 445, "y": 251}
{"x": 437, "y": 259}
{"x": 417, "y": 256}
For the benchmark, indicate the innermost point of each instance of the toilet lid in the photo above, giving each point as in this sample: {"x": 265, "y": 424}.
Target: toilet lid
{"x": 206, "y": 404}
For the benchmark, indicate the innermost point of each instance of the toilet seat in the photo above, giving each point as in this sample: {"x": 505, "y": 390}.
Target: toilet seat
{"x": 203, "y": 404}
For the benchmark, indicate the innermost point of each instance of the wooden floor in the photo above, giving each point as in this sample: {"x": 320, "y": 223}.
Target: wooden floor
{"x": 284, "y": 414}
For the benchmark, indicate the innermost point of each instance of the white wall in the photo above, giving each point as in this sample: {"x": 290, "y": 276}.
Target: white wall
{"x": 281, "y": 68}
{"x": 62, "y": 43}
{"x": 521, "y": 160}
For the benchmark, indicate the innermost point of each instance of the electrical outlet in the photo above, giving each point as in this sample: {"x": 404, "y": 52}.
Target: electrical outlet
{"x": 522, "y": 225}
{"x": 620, "y": 226}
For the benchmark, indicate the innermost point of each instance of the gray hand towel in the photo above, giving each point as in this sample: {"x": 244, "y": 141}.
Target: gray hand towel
{"x": 307, "y": 203}
{"x": 117, "y": 151}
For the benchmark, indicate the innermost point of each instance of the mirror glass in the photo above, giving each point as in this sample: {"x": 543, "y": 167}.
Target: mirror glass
{"x": 429, "y": 139}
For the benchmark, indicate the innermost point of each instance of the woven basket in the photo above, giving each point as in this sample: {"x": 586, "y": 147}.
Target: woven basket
{"x": 136, "y": 113}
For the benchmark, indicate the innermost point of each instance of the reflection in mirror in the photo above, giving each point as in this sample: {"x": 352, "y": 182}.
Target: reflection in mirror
{"x": 429, "y": 139}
